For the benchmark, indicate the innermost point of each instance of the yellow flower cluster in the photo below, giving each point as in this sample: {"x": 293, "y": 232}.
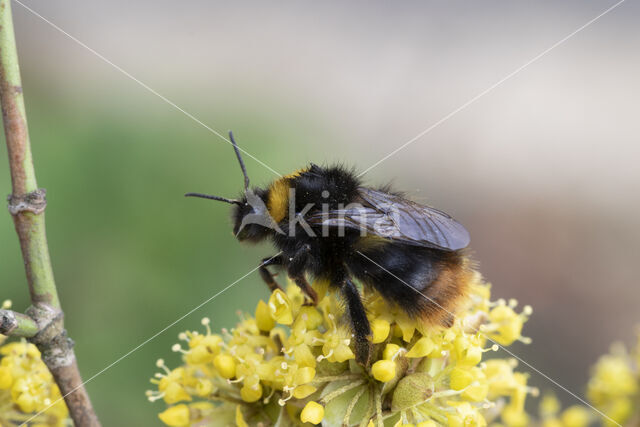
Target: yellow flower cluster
{"x": 27, "y": 387}
{"x": 613, "y": 387}
{"x": 613, "y": 390}
{"x": 574, "y": 416}
{"x": 292, "y": 363}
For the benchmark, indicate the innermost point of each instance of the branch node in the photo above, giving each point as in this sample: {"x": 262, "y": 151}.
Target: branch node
{"x": 34, "y": 202}
{"x": 52, "y": 340}
{"x": 49, "y": 320}
{"x": 58, "y": 353}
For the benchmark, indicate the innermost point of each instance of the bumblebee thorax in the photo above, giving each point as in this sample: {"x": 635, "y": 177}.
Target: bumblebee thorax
{"x": 278, "y": 197}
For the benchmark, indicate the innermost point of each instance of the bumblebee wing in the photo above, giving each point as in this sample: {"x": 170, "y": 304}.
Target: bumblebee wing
{"x": 418, "y": 223}
{"x": 360, "y": 218}
{"x": 396, "y": 218}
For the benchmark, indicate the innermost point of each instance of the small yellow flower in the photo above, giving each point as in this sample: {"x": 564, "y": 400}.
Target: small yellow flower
{"x": 203, "y": 387}
{"x": 612, "y": 377}
{"x": 509, "y": 324}
{"x": 336, "y": 343}
{"x": 549, "y": 406}
{"x": 515, "y": 417}
{"x": 251, "y": 392}
{"x": 380, "y": 330}
{"x": 390, "y": 350}
{"x": 312, "y": 413}
{"x": 460, "y": 378}
{"x": 576, "y": 416}
{"x": 505, "y": 326}
{"x": 421, "y": 348}
{"x": 280, "y": 307}
{"x": 311, "y": 317}
{"x": 175, "y": 416}
{"x": 304, "y": 375}
{"x": 174, "y": 393}
{"x": 225, "y": 365}
{"x": 383, "y": 370}
{"x": 466, "y": 415}
{"x": 304, "y": 356}
{"x": 263, "y": 317}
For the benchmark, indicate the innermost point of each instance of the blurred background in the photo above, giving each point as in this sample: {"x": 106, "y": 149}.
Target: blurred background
{"x": 543, "y": 170}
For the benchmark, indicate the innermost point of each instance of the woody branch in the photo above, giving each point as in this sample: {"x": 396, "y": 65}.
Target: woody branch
{"x": 43, "y": 321}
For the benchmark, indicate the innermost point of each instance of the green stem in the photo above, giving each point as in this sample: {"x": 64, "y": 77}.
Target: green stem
{"x": 25, "y": 180}
{"x": 27, "y": 202}
{"x": 17, "y": 324}
{"x": 26, "y": 205}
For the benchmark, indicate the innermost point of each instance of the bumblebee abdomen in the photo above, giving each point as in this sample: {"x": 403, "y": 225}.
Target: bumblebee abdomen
{"x": 441, "y": 298}
{"x": 425, "y": 283}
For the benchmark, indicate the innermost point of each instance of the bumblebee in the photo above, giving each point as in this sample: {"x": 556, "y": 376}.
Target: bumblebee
{"x": 330, "y": 227}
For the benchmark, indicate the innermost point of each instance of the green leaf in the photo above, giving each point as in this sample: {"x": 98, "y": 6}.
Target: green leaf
{"x": 336, "y": 409}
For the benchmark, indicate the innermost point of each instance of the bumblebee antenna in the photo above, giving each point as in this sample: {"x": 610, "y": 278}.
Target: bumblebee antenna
{"x": 244, "y": 169}
{"x": 218, "y": 198}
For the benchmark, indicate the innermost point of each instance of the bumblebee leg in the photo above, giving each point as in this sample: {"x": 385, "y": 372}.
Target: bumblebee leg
{"x": 295, "y": 269}
{"x": 302, "y": 283}
{"x": 359, "y": 322}
{"x": 266, "y": 274}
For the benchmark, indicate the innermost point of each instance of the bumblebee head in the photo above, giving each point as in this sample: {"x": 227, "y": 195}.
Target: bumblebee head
{"x": 251, "y": 219}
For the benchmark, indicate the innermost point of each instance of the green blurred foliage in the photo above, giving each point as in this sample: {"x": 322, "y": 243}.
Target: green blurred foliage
{"x": 131, "y": 255}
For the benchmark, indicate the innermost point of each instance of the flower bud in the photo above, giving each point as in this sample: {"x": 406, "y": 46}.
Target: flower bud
{"x": 225, "y": 365}
{"x": 390, "y": 350}
{"x": 251, "y": 393}
{"x": 312, "y": 413}
{"x": 411, "y": 391}
{"x": 383, "y": 370}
